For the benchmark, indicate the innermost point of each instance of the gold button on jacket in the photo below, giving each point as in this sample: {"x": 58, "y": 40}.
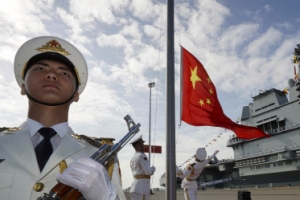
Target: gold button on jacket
{"x": 38, "y": 187}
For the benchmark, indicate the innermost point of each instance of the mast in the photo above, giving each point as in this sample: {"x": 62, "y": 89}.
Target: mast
{"x": 170, "y": 107}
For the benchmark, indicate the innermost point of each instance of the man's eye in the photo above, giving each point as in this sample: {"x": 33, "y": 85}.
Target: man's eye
{"x": 65, "y": 74}
{"x": 39, "y": 69}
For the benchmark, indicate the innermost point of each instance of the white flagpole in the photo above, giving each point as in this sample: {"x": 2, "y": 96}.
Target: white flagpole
{"x": 150, "y": 85}
{"x": 181, "y": 78}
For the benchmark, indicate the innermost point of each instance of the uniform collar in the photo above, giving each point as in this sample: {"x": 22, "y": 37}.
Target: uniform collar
{"x": 34, "y": 126}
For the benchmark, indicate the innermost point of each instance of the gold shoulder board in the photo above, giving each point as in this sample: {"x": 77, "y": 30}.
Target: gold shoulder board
{"x": 88, "y": 139}
{"x": 3, "y": 129}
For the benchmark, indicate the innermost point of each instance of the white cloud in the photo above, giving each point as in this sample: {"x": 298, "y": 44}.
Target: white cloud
{"x": 145, "y": 10}
{"x": 90, "y": 11}
{"x": 265, "y": 43}
{"x": 132, "y": 30}
{"x": 235, "y": 37}
{"x": 116, "y": 40}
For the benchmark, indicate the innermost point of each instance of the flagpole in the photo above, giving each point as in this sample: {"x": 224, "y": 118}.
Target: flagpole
{"x": 170, "y": 107}
{"x": 181, "y": 78}
{"x": 150, "y": 85}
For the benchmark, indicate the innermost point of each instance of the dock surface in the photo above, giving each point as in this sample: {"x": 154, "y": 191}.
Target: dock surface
{"x": 280, "y": 193}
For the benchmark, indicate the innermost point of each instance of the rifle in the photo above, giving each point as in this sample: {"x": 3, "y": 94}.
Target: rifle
{"x": 103, "y": 155}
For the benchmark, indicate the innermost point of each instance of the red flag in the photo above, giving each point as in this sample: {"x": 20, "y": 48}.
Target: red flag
{"x": 200, "y": 104}
{"x": 154, "y": 148}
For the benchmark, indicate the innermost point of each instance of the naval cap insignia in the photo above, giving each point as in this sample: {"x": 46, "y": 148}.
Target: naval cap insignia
{"x": 53, "y": 46}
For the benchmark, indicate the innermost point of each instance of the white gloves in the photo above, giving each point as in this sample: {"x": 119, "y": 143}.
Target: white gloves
{"x": 153, "y": 169}
{"x": 90, "y": 178}
{"x": 215, "y": 153}
{"x": 179, "y": 172}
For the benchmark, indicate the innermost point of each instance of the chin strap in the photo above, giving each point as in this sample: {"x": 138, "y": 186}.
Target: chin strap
{"x": 49, "y": 104}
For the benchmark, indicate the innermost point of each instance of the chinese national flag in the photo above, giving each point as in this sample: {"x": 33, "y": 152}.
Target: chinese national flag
{"x": 200, "y": 104}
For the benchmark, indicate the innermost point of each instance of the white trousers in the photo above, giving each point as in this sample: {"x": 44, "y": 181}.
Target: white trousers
{"x": 190, "y": 194}
{"x": 138, "y": 196}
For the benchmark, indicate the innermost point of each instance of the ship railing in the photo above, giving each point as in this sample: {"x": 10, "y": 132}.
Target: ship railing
{"x": 234, "y": 140}
{"x": 277, "y": 149}
{"x": 287, "y": 127}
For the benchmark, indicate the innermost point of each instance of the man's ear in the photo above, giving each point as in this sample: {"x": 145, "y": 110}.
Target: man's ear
{"x": 23, "y": 90}
{"x": 76, "y": 97}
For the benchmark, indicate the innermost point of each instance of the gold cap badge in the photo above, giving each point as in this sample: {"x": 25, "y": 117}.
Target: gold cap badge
{"x": 53, "y": 46}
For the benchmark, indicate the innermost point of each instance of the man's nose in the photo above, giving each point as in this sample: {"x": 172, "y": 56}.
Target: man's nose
{"x": 51, "y": 76}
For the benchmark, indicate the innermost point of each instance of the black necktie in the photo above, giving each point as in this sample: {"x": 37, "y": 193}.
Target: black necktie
{"x": 44, "y": 149}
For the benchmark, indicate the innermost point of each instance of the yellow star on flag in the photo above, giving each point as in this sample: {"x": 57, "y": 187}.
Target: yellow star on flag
{"x": 208, "y": 101}
{"x": 208, "y": 80}
{"x": 194, "y": 77}
{"x": 201, "y": 102}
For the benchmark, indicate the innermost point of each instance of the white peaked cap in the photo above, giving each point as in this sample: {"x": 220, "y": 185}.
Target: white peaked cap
{"x": 201, "y": 154}
{"x": 61, "y": 50}
{"x": 140, "y": 137}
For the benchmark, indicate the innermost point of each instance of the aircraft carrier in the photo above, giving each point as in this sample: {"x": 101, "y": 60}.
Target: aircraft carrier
{"x": 264, "y": 162}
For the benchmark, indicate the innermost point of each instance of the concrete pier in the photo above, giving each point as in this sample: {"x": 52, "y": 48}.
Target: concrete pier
{"x": 279, "y": 193}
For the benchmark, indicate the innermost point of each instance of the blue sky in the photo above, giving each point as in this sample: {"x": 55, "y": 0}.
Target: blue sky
{"x": 245, "y": 46}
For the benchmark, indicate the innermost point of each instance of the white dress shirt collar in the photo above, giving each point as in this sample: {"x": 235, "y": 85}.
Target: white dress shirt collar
{"x": 34, "y": 126}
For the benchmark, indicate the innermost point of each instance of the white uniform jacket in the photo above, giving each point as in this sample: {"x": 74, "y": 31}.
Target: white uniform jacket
{"x": 140, "y": 165}
{"x": 191, "y": 173}
{"x": 19, "y": 170}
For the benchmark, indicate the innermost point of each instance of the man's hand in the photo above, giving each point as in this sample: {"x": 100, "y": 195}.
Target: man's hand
{"x": 90, "y": 178}
{"x": 178, "y": 171}
{"x": 153, "y": 169}
{"x": 215, "y": 153}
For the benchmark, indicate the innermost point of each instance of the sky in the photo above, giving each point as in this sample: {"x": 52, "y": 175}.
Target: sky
{"x": 245, "y": 46}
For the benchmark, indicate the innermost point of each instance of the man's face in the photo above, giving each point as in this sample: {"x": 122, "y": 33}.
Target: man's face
{"x": 50, "y": 81}
{"x": 142, "y": 146}
{"x": 139, "y": 146}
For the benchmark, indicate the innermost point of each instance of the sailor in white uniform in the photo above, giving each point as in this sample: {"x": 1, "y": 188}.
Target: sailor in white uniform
{"x": 192, "y": 171}
{"x": 141, "y": 171}
{"x": 51, "y": 73}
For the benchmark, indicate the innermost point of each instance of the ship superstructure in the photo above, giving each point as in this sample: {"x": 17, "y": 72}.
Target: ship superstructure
{"x": 263, "y": 162}
{"x": 273, "y": 160}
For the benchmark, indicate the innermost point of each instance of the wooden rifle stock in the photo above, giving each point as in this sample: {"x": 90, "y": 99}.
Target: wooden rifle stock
{"x": 65, "y": 192}
{"x": 103, "y": 155}
{"x": 62, "y": 192}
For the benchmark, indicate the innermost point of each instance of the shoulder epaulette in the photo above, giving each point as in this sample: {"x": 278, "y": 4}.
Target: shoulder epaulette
{"x": 96, "y": 142}
{"x": 103, "y": 140}
{"x": 190, "y": 166}
{"x": 88, "y": 139}
{"x": 3, "y": 129}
